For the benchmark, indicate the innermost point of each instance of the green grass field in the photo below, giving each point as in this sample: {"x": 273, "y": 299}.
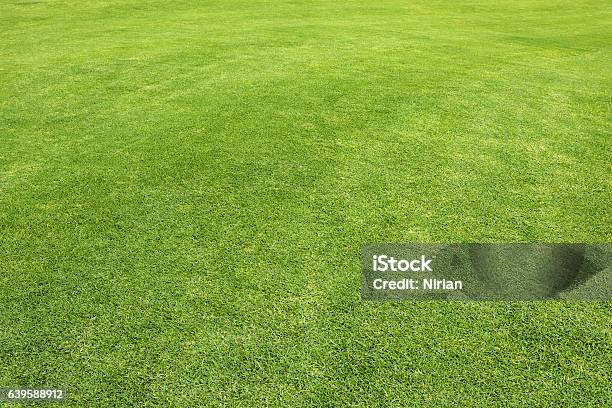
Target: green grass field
{"x": 186, "y": 186}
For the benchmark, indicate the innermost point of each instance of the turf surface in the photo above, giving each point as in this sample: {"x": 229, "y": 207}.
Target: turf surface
{"x": 186, "y": 186}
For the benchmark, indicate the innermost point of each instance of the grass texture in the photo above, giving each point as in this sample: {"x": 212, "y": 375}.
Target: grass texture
{"x": 186, "y": 186}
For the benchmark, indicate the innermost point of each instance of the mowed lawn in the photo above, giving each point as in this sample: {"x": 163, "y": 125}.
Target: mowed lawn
{"x": 186, "y": 186}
